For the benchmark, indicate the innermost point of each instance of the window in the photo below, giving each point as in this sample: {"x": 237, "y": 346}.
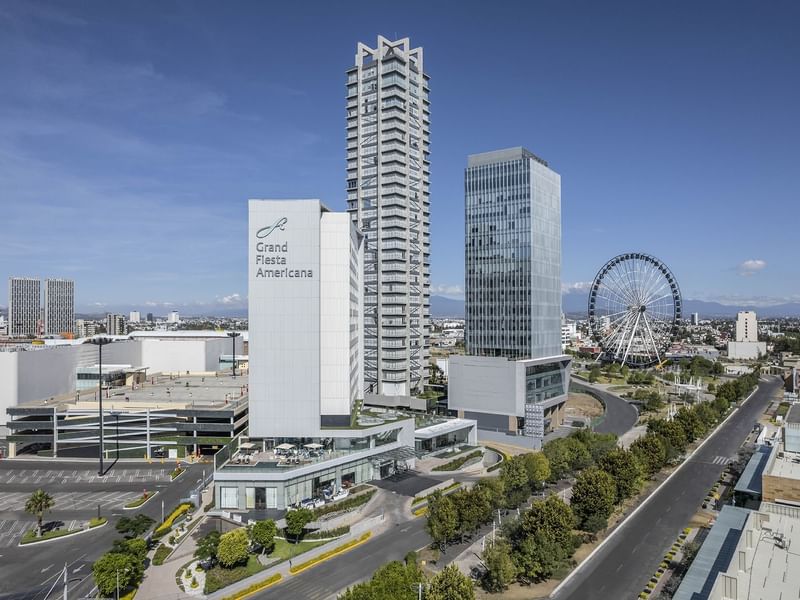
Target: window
{"x": 229, "y": 497}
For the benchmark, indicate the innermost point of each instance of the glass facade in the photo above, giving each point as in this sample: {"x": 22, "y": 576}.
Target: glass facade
{"x": 512, "y": 256}
{"x": 543, "y": 382}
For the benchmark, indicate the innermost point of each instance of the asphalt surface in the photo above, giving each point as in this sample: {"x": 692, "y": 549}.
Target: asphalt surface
{"x": 619, "y": 415}
{"x": 28, "y": 572}
{"x": 622, "y": 567}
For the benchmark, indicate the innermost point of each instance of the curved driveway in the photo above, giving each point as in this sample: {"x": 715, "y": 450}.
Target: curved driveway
{"x": 619, "y": 416}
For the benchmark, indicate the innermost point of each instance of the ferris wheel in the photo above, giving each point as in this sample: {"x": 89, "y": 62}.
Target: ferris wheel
{"x": 634, "y": 309}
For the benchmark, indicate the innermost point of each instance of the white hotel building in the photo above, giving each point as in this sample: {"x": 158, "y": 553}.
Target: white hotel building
{"x": 305, "y": 351}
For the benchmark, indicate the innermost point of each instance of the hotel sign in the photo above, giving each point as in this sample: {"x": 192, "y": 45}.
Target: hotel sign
{"x": 273, "y": 258}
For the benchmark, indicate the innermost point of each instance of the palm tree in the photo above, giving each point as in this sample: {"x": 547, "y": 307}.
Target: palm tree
{"x": 39, "y": 502}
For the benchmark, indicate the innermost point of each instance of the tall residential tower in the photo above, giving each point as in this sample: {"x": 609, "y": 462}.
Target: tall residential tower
{"x": 388, "y": 197}
{"x": 24, "y": 306}
{"x": 59, "y": 306}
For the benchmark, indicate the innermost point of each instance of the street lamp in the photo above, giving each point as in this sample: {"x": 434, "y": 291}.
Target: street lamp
{"x": 233, "y": 335}
{"x": 100, "y": 342}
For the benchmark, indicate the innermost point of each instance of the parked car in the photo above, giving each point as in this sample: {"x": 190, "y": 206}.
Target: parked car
{"x": 207, "y": 563}
{"x": 158, "y": 453}
{"x": 307, "y": 503}
{"x": 317, "y": 502}
{"x": 340, "y": 495}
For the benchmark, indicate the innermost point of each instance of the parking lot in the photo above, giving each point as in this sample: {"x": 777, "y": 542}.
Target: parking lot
{"x": 15, "y": 501}
{"x": 52, "y": 476}
{"x": 12, "y": 530}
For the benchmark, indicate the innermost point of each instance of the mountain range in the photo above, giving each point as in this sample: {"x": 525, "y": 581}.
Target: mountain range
{"x": 574, "y": 304}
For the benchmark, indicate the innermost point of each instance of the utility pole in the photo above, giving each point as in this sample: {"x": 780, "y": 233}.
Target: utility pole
{"x": 66, "y": 585}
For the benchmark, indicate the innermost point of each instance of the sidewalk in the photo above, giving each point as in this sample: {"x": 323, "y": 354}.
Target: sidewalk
{"x": 159, "y": 580}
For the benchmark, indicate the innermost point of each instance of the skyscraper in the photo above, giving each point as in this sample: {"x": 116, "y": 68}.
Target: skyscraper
{"x": 512, "y": 255}
{"x": 115, "y": 324}
{"x": 24, "y": 306}
{"x": 388, "y": 197}
{"x": 59, "y": 306}
{"x": 515, "y": 377}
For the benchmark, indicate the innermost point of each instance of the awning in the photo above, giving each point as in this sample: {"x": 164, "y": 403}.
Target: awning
{"x": 247, "y": 446}
{"x": 284, "y": 447}
{"x": 401, "y": 453}
{"x": 313, "y": 446}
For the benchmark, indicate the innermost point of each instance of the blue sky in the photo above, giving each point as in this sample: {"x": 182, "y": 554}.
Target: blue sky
{"x": 132, "y": 134}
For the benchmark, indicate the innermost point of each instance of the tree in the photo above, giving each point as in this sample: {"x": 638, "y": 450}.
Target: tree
{"x": 113, "y": 564}
{"x": 492, "y": 489}
{"x": 296, "y": 521}
{"x": 232, "y": 549}
{"x": 671, "y": 431}
{"x": 264, "y": 532}
{"x": 450, "y": 584}
{"x": 39, "y": 503}
{"x": 594, "y": 374}
{"x": 579, "y": 455}
{"x": 598, "y": 445}
{"x": 393, "y": 581}
{"x": 538, "y": 468}
{"x": 500, "y": 569}
{"x": 207, "y": 546}
{"x": 442, "y": 519}
{"x": 134, "y": 527}
{"x": 515, "y": 481}
{"x": 136, "y": 547}
{"x": 558, "y": 456}
{"x": 650, "y": 452}
{"x": 538, "y": 556}
{"x": 693, "y": 427}
{"x": 625, "y": 470}
{"x": 593, "y": 494}
{"x": 471, "y": 508}
{"x": 552, "y": 518}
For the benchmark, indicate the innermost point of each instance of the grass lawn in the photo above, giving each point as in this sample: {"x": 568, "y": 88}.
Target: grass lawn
{"x": 30, "y": 535}
{"x": 219, "y": 577}
{"x": 456, "y": 464}
{"x": 140, "y": 500}
{"x": 285, "y": 550}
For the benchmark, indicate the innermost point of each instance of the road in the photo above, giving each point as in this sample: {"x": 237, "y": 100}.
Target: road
{"x": 619, "y": 416}
{"x": 26, "y": 573}
{"x": 622, "y": 567}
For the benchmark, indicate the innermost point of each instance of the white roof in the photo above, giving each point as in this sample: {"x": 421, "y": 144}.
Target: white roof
{"x": 446, "y": 427}
{"x": 284, "y": 447}
{"x": 186, "y": 333}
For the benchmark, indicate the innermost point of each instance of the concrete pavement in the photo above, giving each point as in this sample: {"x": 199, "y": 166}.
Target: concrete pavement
{"x": 27, "y": 572}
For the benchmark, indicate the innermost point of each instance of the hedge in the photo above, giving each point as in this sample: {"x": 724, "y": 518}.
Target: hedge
{"x": 256, "y": 587}
{"x": 326, "y": 555}
{"x": 166, "y": 526}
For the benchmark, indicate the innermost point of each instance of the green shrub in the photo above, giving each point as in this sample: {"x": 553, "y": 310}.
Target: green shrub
{"x": 161, "y": 554}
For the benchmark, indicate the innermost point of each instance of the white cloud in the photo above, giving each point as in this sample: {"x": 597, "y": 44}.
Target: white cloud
{"x": 579, "y": 287}
{"x": 231, "y": 299}
{"x": 751, "y": 267}
{"x": 448, "y": 290}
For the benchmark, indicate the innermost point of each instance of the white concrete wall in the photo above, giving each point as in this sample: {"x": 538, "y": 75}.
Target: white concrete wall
{"x": 334, "y": 292}
{"x": 284, "y": 318}
{"x": 8, "y": 386}
{"x": 484, "y": 384}
{"x": 746, "y": 350}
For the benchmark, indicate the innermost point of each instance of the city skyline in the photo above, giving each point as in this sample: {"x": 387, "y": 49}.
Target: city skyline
{"x": 143, "y": 130}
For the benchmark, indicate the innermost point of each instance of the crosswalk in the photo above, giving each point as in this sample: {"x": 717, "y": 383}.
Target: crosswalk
{"x": 721, "y": 460}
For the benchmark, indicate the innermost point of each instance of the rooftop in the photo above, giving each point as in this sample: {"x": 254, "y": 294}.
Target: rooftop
{"x": 504, "y": 155}
{"x": 783, "y": 464}
{"x": 200, "y": 392}
{"x": 750, "y": 481}
{"x": 748, "y": 554}
{"x": 793, "y": 416}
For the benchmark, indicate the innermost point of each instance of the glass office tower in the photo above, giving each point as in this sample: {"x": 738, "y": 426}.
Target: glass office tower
{"x": 512, "y": 255}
